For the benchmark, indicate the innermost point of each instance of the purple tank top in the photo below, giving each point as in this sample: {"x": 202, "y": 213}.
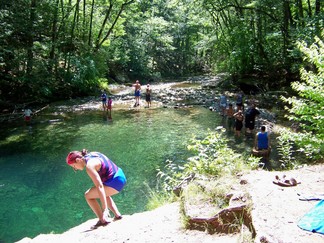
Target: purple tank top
{"x": 108, "y": 168}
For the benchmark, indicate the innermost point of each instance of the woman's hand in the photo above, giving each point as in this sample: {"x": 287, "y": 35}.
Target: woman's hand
{"x": 106, "y": 215}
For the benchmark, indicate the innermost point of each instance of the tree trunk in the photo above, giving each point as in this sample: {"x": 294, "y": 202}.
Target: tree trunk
{"x": 54, "y": 30}
{"x": 309, "y": 8}
{"x": 317, "y": 7}
{"x": 90, "y": 27}
{"x": 300, "y": 12}
{"x": 30, "y": 38}
{"x": 108, "y": 12}
{"x": 319, "y": 27}
{"x": 75, "y": 20}
{"x": 100, "y": 42}
{"x": 287, "y": 17}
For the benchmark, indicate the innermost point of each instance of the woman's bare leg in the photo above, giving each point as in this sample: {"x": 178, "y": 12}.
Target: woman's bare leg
{"x": 92, "y": 195}
{"x": 112, "y": 206}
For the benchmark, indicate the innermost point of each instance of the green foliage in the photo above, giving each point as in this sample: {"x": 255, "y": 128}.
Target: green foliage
{"x": 167, "y": 39}
{"x": 212, "y": 158}
{"x": 52, "y": 49}
{"x": 307, "y": 108}
{"x": 171, "y": 175}
{"x": 156, "y": 198}
{"x": 286, "y": 150}
{"x": 103, "y": 83}
{"x": 246, "y": 42}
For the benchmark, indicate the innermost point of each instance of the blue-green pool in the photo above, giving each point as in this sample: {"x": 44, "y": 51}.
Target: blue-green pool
{"x": 41, "y": 194}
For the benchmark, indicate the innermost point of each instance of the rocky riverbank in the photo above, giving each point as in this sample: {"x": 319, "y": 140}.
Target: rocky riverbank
{"x": 197, "y": 91}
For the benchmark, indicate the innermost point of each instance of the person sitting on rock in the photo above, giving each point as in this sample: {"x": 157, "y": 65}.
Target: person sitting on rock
{"x": 262, "y": 143}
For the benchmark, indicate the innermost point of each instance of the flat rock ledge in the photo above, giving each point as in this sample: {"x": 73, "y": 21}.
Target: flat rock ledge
{"x": 272, "y": 216}
{"x": 163, "y": 224}
{"x": 260, "y": 210}
{"x": 206, "y": 213}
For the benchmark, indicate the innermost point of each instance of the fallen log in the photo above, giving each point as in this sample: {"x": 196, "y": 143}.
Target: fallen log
{"x": 228, "y": 220}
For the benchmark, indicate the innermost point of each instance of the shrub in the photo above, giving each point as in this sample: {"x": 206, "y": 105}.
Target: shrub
{"x": 212, "y": 158}
{"x": 307, "y": 108}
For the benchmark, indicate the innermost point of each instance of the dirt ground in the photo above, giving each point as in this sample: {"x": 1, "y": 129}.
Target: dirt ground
{"x": 275, "y": 213}
{"x": 277, "y": 210}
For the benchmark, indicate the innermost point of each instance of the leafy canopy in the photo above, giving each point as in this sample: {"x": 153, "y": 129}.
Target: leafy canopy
{"x": 307, "y": 109}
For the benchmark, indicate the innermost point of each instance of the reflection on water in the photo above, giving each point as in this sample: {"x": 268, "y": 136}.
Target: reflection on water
{"x": 37, "y": 186}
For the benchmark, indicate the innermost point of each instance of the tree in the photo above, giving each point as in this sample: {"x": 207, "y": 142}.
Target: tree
{"x": 307, "y": 108}
{"x": 54, "y": 49}
{"x": 57, "y": 49}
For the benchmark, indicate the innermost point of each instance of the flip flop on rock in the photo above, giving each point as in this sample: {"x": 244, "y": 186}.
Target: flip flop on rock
{"x": 285, "y": 182}
{"x": 98, "y": 224}
{"x": 118, "y": 218}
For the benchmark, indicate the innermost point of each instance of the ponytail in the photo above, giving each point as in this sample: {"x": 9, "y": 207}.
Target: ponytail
{"x": 84, "y": 152}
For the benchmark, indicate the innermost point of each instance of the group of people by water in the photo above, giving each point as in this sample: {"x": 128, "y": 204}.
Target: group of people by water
{"x": 109, "y": 179}
{"x": 241, "y": 117}
{"x": 137, "y": 86}
{"x": 107, "y": 101}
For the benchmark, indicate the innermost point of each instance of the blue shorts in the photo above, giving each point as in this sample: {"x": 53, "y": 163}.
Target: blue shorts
{"x": 137, "y": 93}
{"x": 223, "y": 105}
{"x": 118, "y": 181}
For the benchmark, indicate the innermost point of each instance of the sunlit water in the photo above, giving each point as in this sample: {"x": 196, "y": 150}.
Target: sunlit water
{"x": 41, "y": 194}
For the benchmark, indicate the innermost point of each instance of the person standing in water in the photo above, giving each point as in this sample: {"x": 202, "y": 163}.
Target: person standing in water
{"x": 137, "y": 87}
{"x": 148, "y": 95}
{"x": 108, "y": 180}
{"x": 230, "y": 117}
{"x": 239, "y": 101}
{"x": 104, "y": 100}
{"x": 250, "y": 115}
{"x": 239, "y": 117}
{"x": 27, "y": 115}
{"x": 223, "y": 104}
{"x": 109, "y": 107}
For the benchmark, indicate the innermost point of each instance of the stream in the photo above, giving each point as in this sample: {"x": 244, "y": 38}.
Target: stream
{"x": 41, "y": 194}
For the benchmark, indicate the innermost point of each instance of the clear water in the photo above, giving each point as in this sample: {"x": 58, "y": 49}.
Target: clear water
{"x": 41, "y": 194}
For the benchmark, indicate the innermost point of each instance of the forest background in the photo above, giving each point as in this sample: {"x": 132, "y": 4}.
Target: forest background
{"x": 58, "y": 49}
